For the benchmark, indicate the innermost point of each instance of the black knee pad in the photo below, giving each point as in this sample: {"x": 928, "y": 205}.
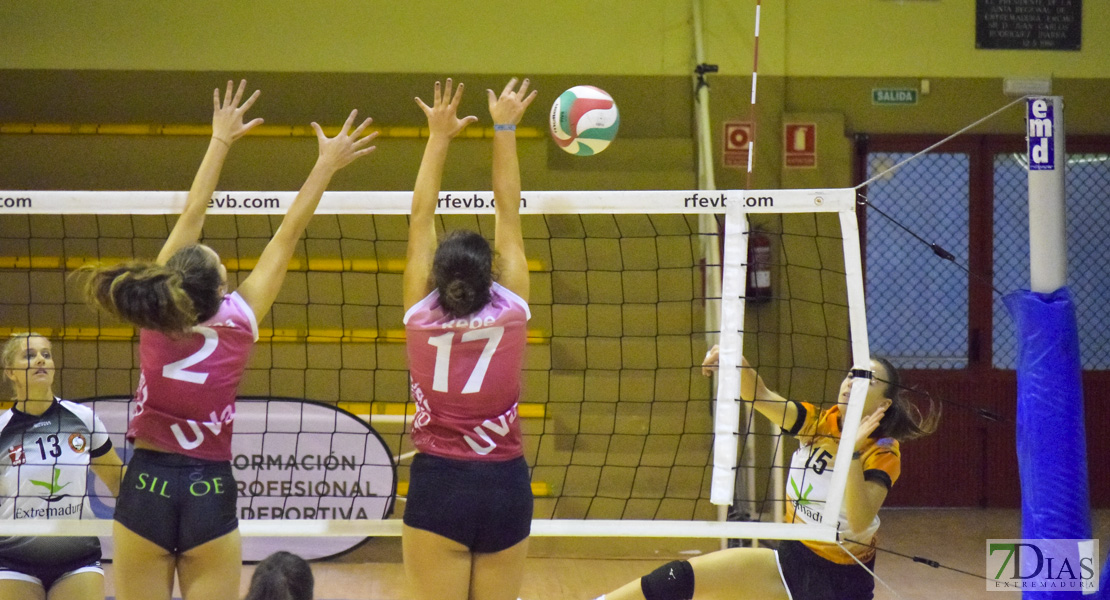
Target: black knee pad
{"x": 672, "y": 581}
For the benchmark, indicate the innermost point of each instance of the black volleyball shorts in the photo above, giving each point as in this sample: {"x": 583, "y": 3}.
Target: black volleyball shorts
{"x": 485, "y": 506}
{"x": 177, "y": 501}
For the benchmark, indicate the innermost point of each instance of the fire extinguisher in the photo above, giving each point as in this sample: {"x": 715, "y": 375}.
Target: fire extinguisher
{"x": 759, "y": 266}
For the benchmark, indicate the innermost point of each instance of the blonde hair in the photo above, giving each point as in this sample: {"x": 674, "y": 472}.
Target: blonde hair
{"x": 15, "y": 346}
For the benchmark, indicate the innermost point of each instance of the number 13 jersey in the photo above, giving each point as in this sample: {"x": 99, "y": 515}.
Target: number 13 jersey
{"x": 44, "y": 474}
{"x": 465, "y": 377}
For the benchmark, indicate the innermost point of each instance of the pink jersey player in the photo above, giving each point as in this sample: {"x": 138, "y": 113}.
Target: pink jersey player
{"x": 469, "y": 484}
{"x": 466, "y": 376}
{"x": 185, "y": 402}
{"x": 178, "y": 502}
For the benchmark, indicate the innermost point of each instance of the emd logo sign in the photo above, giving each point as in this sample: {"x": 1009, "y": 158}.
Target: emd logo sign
{"x": 1042, "y": 120}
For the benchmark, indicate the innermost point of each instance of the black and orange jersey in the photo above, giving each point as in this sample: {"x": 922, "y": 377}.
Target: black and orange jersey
{"x": 811, "y": 472}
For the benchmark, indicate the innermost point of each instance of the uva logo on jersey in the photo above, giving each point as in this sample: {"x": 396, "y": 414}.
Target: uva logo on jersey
{"x": 215, "y": 425}
{"x": 17, "y": 456}
{"x": 500, "y": 427}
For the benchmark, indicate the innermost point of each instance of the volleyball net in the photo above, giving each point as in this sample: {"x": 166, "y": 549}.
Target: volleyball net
{"x": 624, "y": 435}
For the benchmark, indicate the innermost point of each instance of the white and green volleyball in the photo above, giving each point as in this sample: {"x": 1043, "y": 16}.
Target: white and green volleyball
{"x": 584, "y": 119}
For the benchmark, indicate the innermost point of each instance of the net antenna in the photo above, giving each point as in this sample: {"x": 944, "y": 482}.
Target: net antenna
{"x": 678, "y": 205}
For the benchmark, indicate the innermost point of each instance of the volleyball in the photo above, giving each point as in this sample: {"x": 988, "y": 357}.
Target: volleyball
{"x": 584, "y": 119}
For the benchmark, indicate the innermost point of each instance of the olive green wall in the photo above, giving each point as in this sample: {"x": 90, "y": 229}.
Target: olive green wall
{"x": 915, "y": 39}
{"x": 800, "y": 38}
{"x": 75, "y": 62}
{"x": 153, "y": 62}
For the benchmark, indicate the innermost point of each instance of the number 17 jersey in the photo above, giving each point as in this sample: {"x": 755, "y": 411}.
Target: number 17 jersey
{"x": 465, "y": 377}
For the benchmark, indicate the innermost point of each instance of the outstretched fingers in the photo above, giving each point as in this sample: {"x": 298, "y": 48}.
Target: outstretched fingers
{"x": 447, "y": 91}
{"x": 227, "y": 114}
{"x": 239, "y": 92}
{"x": 347, "y": 124}
{"x": 868, "y": 425}
{"x": 250, "y": 101}
{"x": 362, "y": 127}
{"x": 228, "y": 93}
{"x": 457, "y": 97}
{"x": 443, "y": 119}
{"x": 251, "y": 125}
{"x": 509, "y": 107}
{"x": 528, "y": 101}
{"x": 347, "y": 145}
{"x": 361, "y": 142}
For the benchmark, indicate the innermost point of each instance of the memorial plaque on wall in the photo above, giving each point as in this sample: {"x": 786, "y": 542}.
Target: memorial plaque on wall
{"x": 1028, "y": 24}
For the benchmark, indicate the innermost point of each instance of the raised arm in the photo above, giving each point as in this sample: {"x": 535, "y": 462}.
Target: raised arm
{"x": 227, "y": 126}
{"x": 863, "y": 498}
{"x": 765, "y": 401}
{"x": 507, "y": 110}
{"x": 261, "y": 287}
{"x": 443, "y": 126}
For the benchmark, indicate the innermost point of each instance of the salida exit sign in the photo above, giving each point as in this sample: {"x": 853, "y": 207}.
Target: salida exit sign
{"x": 894, "y": 96}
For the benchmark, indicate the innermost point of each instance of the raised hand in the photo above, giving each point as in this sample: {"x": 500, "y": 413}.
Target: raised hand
{"x": 442, "y": 116}
{"x": 347, "y": 145}
{"x": 509, "y": 107}
{"x": 867, "y": 426}
{"x": 712, "y": 358}
{"x": 227, "y": 116}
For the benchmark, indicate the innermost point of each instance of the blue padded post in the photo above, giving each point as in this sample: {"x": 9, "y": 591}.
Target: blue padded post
{"x": 1051, "y": 440}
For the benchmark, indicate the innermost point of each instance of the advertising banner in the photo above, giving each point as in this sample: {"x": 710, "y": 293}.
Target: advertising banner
{"x": 293, "y": 459}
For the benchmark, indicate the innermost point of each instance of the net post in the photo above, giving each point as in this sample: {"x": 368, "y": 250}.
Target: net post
{"x": 1052, "y": 460}
{"x": 706, "y": 175}
{"x": 861, "y": 355}
{"x": 707, "y": 224}
{"x": 727, "y": 409}
{"x": 1048, "y": 256}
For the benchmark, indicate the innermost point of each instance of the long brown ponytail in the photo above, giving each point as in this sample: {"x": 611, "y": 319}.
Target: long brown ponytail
{"x": 903, "y": 420}
{"x": 169, "y": 298}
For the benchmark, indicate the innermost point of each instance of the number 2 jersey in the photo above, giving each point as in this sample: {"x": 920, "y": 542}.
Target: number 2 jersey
{"x": 811, "y": 471}
{"x": 185, "y": 402}
{"x": 465, "y": 377}
{"x": 44, "y": 474}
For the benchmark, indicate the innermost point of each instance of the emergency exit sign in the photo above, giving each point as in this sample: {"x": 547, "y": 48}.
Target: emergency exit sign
{"x": 893, "y": 96}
